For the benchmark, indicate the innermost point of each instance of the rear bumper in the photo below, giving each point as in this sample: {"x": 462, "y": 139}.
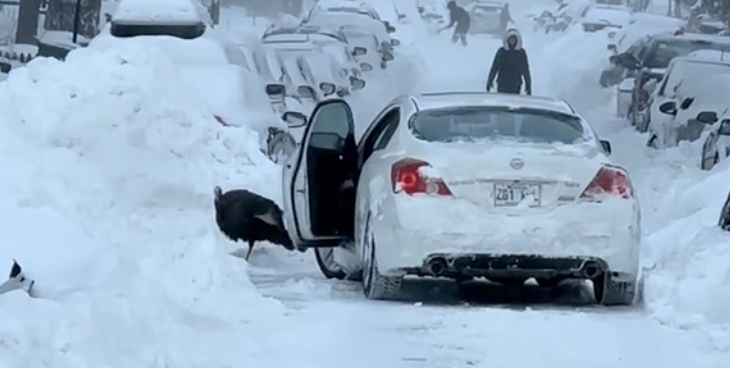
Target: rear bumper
{"x": 607, "y": 233}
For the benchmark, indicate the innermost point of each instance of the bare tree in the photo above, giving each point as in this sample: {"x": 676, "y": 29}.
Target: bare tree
{"x": 62, "y": 13}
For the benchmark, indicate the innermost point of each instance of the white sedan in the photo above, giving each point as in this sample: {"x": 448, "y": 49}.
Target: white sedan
{"x": 464, "y": 185}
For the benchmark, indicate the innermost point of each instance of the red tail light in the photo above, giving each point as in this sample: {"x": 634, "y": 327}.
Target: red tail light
{"x": 407, "y": 176}
{"x": 611, "y": 181}
{"x": 220, "y": 120}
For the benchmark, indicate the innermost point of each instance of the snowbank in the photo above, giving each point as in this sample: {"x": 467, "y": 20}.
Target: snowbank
{"x": 109, "y": 161}
{"x": 689, "y": 283}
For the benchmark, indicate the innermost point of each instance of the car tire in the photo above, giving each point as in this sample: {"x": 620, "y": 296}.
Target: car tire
{"x": 327, "y": 265}
{"x": 611, "y": 291}
{"x": 375, "y": 285}
{"x": 724, "y": 221}
{"x": 383, "y": 64}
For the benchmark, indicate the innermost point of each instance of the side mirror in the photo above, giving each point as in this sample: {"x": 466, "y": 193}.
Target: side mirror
{"x": 388, "y": 56}
{"x": 294, "y": 119}
{"x": 359, "y": 51}
{"x": 401, "y": 16}
{"x": 275, "y": 90}
{"x": 725, "y": 127}
{"x": 606, "y": 145}
{"x": 357, "y": 84}
{"x": 394, "y": 42}
{"x": 707, "y": 117}
{"x": 686, "y": 103}
{"x": 669, "y": 108}
{"x": 327, "y": 88}
{"x": 611, "y": 47}
{"x": 366, "y": 67}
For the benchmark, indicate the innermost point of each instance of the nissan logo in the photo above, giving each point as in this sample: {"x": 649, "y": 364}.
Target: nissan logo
{"x": 517, "y": 163}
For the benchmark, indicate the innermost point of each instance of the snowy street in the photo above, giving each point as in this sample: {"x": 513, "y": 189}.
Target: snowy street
{"x": 109, "y": 162}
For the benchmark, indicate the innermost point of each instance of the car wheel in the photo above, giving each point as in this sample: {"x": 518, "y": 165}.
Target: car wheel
{"x": 327, "y": 265}
{"x": 375, "y": 285}
{"x": 724, "y": 222}
{"x": 609, "y": 290}
{"x": 383, "y": 64}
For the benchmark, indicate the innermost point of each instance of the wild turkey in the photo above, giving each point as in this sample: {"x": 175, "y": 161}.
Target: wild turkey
{"x": 249, "y": 217}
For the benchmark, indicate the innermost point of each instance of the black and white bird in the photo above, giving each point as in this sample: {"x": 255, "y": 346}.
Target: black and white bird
{"x": 249, "y": 217}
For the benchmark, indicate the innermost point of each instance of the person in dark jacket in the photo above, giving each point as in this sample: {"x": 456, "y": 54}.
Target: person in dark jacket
{"x": 505, "y": 18}
{"x": 461, "y": 19}
{"x": 510, "y": 66}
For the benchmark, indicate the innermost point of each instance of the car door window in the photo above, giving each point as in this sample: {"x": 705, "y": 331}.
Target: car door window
{"x": 372, "y": 137}
{"x": 391, "y": 123}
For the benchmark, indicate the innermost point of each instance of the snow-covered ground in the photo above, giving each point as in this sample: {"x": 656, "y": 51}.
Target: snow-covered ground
{"x": 109, "y": 161}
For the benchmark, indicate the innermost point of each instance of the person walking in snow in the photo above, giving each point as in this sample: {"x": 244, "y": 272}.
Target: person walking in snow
{"x": 461, "y": 19}
{"x": 510, "y": 66}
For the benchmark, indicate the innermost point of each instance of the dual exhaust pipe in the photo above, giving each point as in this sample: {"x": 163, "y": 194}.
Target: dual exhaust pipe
{"x": 590, "y": 269}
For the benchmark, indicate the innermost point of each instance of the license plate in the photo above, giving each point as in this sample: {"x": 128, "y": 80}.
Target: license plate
{"x": 514, "y": 194}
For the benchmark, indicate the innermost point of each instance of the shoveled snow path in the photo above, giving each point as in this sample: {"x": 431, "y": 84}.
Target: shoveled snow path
{"x": 336, "y": 326}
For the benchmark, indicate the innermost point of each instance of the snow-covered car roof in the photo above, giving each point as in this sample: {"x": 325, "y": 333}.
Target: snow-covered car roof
{"x": 304, "y": 31}
{"x": 159, "y": 12}
{"x": 447, "y": 99}
{"x": 616, "y": 15}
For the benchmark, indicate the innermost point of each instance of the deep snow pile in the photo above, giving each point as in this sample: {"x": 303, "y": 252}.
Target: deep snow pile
{"x": 108, "y": 167}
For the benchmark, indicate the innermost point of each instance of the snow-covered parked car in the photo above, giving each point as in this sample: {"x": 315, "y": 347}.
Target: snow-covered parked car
{"x": 485, "y": 17}
{"x": 419, "y": 195}
{"x": 277, "y": 84}
{"x": 697, "y": 103}
{"x": 648, "y": 63}
{"x": 701, "y": 64}
{"x": 306, "y": 90}
{"x": 317, "y": 69}
{"x": 717, "y": 143}
{"x": 597, "y": 17}
{"x": 358, "y": 31}
{"x": 308, "y": 40}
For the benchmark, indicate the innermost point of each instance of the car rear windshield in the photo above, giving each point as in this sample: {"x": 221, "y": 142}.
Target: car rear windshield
{"x": 482, "y": 124}
{"x": 663, "y": 52}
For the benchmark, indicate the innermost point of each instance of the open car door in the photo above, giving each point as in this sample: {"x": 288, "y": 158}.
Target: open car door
{"x": 318, "y": 180}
